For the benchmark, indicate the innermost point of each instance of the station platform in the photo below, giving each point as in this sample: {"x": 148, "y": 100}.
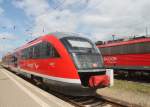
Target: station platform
{"x": 16, "y": 92}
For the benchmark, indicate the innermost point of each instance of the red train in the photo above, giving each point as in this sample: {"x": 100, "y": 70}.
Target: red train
{"x": 127, "y": 55}
{"x": 67, "y": 63}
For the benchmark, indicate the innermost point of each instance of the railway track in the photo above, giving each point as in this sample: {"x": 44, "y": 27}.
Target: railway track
{"x": 90, "y": 101}
{"x": 93, "y": 101}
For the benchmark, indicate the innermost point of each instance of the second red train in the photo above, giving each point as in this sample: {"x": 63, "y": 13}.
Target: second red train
{"x": 128, "y": 55}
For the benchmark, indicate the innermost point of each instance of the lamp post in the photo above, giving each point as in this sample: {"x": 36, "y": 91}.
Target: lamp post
{"x": 3, "y": 46}
{"x": 146, "y": 31}
{"x": 113, "y": 36}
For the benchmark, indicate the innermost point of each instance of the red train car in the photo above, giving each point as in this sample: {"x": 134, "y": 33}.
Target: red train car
{"x": 133, "y": 54}
{"x": 67, "y": 63}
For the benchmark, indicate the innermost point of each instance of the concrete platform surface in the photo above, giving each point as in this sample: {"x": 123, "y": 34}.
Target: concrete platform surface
{"x": 16, "y": 92}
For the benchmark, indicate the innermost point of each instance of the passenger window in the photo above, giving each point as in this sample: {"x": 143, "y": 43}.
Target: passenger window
{"x": 50, "y": 50}
{"x": 40, "y": 50}
{"x": 37, "y": 51}
{"x": 44, "y": 50}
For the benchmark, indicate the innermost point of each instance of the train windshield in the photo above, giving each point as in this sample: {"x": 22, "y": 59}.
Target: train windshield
{"x": 84, "y": 52}
{"x": 78, "y": 44}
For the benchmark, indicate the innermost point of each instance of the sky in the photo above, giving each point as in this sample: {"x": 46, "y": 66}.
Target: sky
{"x": 24, "y": 20}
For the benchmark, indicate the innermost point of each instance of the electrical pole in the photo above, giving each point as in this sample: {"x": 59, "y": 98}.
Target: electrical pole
{"x": 146, "y": 31}
{"x": 113, "y": 36}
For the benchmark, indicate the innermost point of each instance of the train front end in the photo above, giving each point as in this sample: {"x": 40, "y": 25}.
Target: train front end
{"x": 88, "y": 62}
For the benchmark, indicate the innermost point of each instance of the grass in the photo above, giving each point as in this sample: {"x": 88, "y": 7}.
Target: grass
{"x": 132, "y": 86}
{"x": 128, "y": 91}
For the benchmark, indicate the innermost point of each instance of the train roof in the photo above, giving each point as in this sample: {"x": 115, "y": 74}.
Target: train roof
{"x": 59, "y": 35}
{"x": 132, "y": 41}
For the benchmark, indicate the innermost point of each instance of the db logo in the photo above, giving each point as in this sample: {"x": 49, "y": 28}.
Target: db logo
{"x": 110, "y": 59}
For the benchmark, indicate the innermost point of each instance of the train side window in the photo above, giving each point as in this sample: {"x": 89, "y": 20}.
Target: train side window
{"x": 24, "y": 54}
{"x": 122, "y": 49}
{"x": 44, "y": 50}
{"x": 132, "y": 48}
{"x": 50, "y": 50}
{"x": 102, "y": 50}
{"x": 33, "y": 51}
{"x": 30, "y": 52}
{"x": 36, "y": 53}
{"x": 105, "y": 50}
{"x": 144, "y": 47}
{"x": 27, "y": 53}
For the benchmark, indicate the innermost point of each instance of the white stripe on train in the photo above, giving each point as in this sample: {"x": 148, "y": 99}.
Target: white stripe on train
{"x": 67, "y": 80}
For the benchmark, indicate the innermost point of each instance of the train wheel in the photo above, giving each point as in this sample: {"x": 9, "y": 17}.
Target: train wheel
{"x": 130, "y": 74}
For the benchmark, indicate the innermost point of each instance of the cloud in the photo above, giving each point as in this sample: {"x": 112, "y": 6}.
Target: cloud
{"x": 100, "y": 18}
{"x": 55, "y": 21}
{"x": 47, "y": 19}
{"x": 6, "y": 23}
{"x": 32, "y": 7}
{"x": 7, "y": 36}
{"x": 95, "y": 20}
